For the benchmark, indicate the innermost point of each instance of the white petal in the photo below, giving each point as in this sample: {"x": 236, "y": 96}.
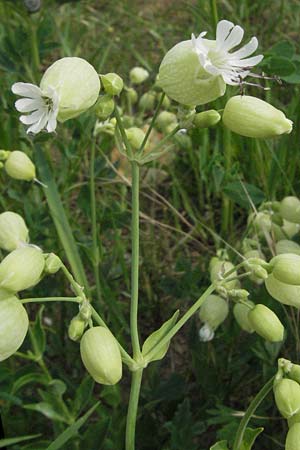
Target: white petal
{"x": 234, "y": 38}
{"x": 248, "y": 62}
{"x": 52, "y": 123}
{"x": 223, "y": 28}
{"x": 28, "y": 104}
{"x": 247, "y": 50}
{"x": 26, "y": 90}
{"x": 38, "y": 126}
{"x": 32, "y": 118}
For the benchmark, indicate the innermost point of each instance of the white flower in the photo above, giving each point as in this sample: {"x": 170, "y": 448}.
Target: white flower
{"x": 41, "y": 104}
{"x": 206, "y": 333}
{"x": 216, "y": 58}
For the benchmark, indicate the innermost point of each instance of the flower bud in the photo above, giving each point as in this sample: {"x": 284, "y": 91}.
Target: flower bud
{"x": 261, "y": 222}
{"x": 147, "y": 101}
{"x": 294, "y": 372}
{"x": 252, "y": 117}
{"x": 19, "y": 166}
{"x": 288, "y": 294}
{"x": 101, "y": 356}
{"x": 290, "y": 209}
{"x": 76, "y": 83}
{"x": 207, "y": 119}
{"x": 85, "y": 310}
{"x": 13, "y": 231}
{"x": 164, "y": 119}
{"x": 52, "y": 263}
{"x": 293, "y": 438}
{"x": 135, "y": 136}
{"x": 294, "y": 419}
{"x": 13, "y": 326}
{"x": 112, "y": 83}
{"x": 104, "y": 107}
{"x": 286, "y": 268}
{"x": 240, "y": 312}
{"x": 214, "y": 311}
{"x": 287, "y": 397}
{"x": 183, "y": 79}
{"x": 218, "y": 269}
{"x": 76, "y": 328}
{"x": 265, "y": 323}
{"x": 138, "y": 75}
{"x": 21, "y": 269}
{"x": 287, "y": 246}
{"x": 288, "y": 230}
{"x": 132, "y": 95}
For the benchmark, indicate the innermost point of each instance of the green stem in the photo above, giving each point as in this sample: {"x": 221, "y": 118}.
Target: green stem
{"x": 250, "y": 411}
{"x": 96, "y": 255}
{"x": 123, "y": 133}
{"x": 135, "y": 261}
{"x": 214, "y": 12}
{"x": 51, "y": 299}
{"x": 152, "y": 123}
{"x": 136, "y": 382}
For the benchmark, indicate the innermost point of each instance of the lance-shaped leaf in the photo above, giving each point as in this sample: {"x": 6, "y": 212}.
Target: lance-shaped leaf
{"x": 221, "y": 445}
{"x": 153, "y": 340}
{"x": 250, "y": 437}
{"x": 11, "y": 441}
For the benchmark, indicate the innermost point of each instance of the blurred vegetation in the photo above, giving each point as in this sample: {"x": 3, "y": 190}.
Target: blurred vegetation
{"x": 192, "y": 204}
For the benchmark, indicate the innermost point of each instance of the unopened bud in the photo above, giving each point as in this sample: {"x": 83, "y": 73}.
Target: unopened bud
{"x": 21, "y": 269}
{"x": 214, "y": 311}
{"x": 240, "y": 312}
{"x": 85, "y": 311}
{"x": 147, "y": 101}
{"x": 218, "y": 269}
{"x": 112, "y": 83}
{"x": 206, "y": 119}
{"x": 104, "y": 107}
{"x": 76, "y": 328}
{"x": 52, "y": 263}
{"x": 206, "y": 333}
{"x": 238, "y": 293}
{"x": 288, "y": 294}
{"x": 138, "y": 75}
{"x": 252, "y": 117}
{"x": 13, "y": 231}
{"x": 287, "y": 246}
{"x": 135, "y": 136}
{"x": 265, "y": 323}
{"x": 166, "y": 118}
{"x": 101, "y": 356}
{"x": 14, "y": 326}
{"x": 132, "y": 95}
{"x": 287, "y": 397}
{"x": 19, "y": 166}
{"x": 286, "y": 268}
{"x": 293, "y": 437}
{"x": 290, "y": 209}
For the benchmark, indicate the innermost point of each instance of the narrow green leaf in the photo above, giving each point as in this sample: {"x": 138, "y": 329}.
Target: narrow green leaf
{"x": 157, "y": 336}
{"x": 47, "y": 410}
{"x": 38, "y": 335}
{"x": 71, "y": 430}
{"x": 27, "y": 379}
{"x": 60, "y": 219}
{"x": 11, "y": 441}
{"x": 250, "y": 437}
{"x": 221, "y": 445}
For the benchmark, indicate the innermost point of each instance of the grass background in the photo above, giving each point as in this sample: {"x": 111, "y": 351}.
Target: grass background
{"x": 190, "y": 206}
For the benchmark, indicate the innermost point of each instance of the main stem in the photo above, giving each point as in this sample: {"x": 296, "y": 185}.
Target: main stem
{"x": 137, "y": 375}
{"x": 135, "y": 261}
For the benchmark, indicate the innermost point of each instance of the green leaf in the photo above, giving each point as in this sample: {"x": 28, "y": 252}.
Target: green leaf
{"x": 83, "y": 394}
{"x": 221, "y": 445}
{"x": 11, "y": 441}
{"x": 71, "y": 430}
{"x": 60, "y": 219}
{"x": 244, "y": 193}
{"x": 155, "y": 337}
{"x": 283, "y": 48}
{"x": 47, "y": 410}
{"x": 38, "y": 335}
{"x": 27, "y": 379}
{"x": 250, "y": 437}
{"x": 279, "y": 65}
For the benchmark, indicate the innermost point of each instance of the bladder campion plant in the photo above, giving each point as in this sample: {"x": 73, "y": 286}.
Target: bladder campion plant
{"x": 194, "y": 72}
